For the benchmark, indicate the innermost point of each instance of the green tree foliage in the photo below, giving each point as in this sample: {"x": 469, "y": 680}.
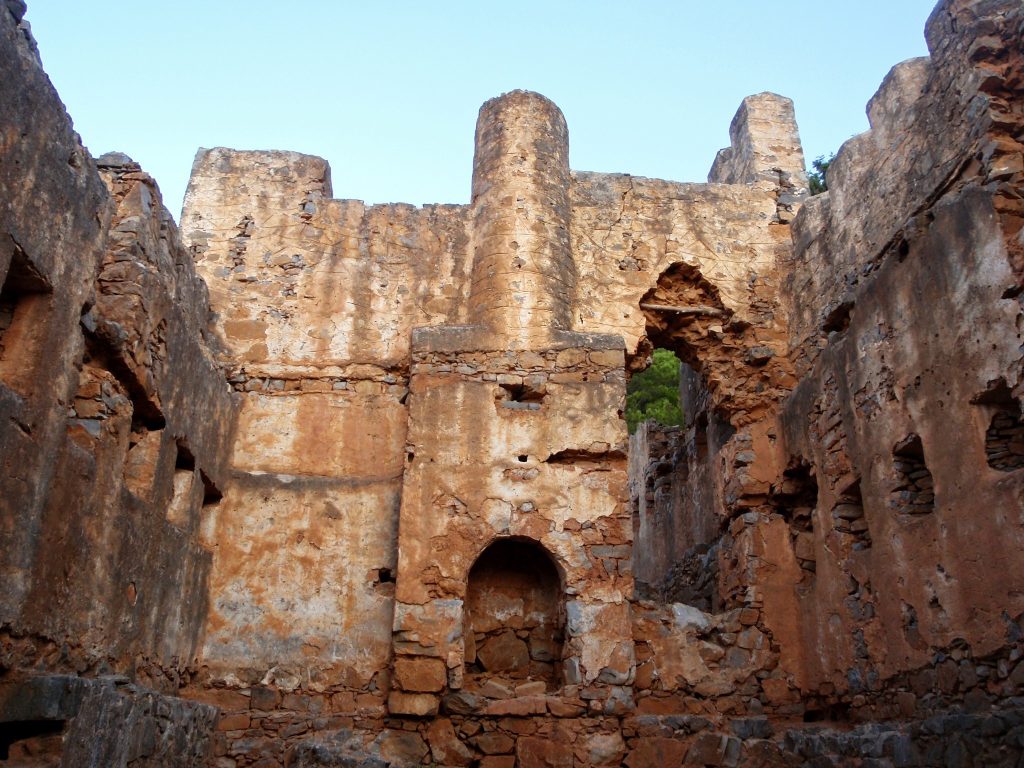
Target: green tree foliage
{"x": 654, "y": 393}
{"x": 816, "y": 178}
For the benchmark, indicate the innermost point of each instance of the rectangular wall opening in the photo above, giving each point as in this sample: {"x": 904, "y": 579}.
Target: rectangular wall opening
{"x": 179, "y": 509}
{"x": 914, "y": 493}
{"x": 796, "y": 498}
{"x": 25, "y": 301}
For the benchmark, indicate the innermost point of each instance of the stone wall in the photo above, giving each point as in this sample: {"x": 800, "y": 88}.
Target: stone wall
{"x": 60, "y": 720}
{"x": 862, "y": 511}
{"x": 910, "y": 347}
{"x": 370, "y": 493}
{"x": 114, "y": 426}
{"x": 755, "y": 497}
{"x": 465, "y": 360}
{"x": 676, "y": 493}
{"x": 318, "y": 300}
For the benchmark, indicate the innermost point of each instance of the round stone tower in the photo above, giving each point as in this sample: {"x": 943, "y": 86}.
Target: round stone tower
{"x": 524, "y": 276}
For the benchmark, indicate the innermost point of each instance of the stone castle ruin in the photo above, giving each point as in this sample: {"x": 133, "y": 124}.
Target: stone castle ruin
{"x": 306, "y": 482}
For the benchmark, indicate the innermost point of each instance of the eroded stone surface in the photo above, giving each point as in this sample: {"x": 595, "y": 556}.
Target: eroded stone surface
{"x": 428, "y": 537}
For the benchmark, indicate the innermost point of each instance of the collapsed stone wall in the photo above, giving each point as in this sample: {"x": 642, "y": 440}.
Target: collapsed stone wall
{"x": 910, "y": 350}
{"x": 676, "y": 493}
{"x": 895, "y": 455}
{"x": 703, "y": 269}
{"x": 895, "y": 353}
{"x": 108, "y": 461}
{"x": 429, "y": 393}
{"x": 879, "y": 506}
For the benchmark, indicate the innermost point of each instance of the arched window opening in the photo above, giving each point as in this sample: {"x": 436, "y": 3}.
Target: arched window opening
{"x": 514, "y": 617}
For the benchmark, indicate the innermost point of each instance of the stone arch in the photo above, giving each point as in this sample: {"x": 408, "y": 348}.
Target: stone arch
{"x": 728, "y": 379}
{"x": 514, "y": 615}
{"x": 741, "y": 361}
{"x": 678, "y": 312}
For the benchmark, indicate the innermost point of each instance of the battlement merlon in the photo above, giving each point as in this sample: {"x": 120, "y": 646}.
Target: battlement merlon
{"x": 764, "y": 148}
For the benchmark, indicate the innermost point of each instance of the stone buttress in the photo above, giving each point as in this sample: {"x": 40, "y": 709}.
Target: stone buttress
{"x": 515, "y": 433}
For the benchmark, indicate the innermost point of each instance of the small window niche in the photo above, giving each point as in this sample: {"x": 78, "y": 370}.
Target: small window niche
{"x": 914, "y": 492}
{"x": 184, "y": 494}
{"x": 1004, "y": 438}
{"x": 848, "y": 517}
{"x": 1004, "y": 435}
{"x": 522, "y": 395}
{"x": 142, "y": 461}
{"x": 24, "y": 313}
{"x": 796, "y": 498}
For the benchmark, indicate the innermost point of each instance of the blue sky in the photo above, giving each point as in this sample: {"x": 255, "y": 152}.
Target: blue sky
{"x": 388, "y": 91}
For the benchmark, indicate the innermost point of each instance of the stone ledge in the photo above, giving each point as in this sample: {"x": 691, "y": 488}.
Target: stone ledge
{"x": 478, "y": 338}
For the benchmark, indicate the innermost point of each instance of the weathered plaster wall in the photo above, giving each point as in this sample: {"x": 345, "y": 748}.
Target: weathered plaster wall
{"x": 317, "y": 299}
{"x": 299, "y": 279}
{"x": 395, "y": 385}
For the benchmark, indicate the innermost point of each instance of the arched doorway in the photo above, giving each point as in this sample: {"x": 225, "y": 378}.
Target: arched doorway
{"x": 514, "y": 616}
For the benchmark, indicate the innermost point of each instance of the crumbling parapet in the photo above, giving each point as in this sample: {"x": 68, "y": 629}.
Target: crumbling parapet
{"x": 765, "y": 149}
{"x": 906, "y": 355}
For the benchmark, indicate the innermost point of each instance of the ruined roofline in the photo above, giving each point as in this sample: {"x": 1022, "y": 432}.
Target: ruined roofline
{"x": 763, "y": 108}
{"x": 963, "y": 89}
{"x": 672, "y": 187}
